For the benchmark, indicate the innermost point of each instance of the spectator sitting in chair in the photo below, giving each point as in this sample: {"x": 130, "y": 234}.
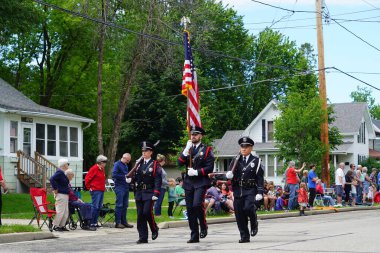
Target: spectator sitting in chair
{"x": 213, "y": 197}
{"x": 85, "y": 209}
{"x": 227, "y": 200}
{"x": 269, "y": 197}
{"x": 280, "y": 202}
{"x": 180, "y": 192}
{"x": 326, "y": 198}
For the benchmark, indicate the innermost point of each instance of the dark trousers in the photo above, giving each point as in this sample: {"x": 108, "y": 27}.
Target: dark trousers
{"x": 245, "y": 209}
{"x": 312, "y": 192}
{"x": 144, "y": 216}
{"x": 122, "y": 198}
{"x": 347, "y": 192}
{"x": 195, "y": 210}
{"x": 170, "y": 208}
{"x": 158, "y": 204}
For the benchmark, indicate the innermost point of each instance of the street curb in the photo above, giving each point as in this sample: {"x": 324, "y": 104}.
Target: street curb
{"x": 25, "y": 236}
{"x": 184, "y": 223}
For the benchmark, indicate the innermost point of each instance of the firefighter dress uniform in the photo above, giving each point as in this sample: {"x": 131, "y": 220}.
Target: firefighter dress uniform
{"x": 195, "y": 186}
{"x": 147, "y": 184}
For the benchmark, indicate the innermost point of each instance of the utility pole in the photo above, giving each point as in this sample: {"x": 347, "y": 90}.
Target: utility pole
{"x": 322, "y": 94}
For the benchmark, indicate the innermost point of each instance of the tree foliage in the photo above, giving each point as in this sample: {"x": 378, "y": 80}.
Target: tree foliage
{"x": 53, "y": 58}
{"x": 363, "y": 94}
{"x": 298, "y": 128}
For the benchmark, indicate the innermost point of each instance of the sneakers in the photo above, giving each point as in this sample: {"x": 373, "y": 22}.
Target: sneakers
{"x": 60, "y": 229}
{"x": 171, "y": 217}
{"x": 338, "y": 205}
{"x": 127, "y": 225}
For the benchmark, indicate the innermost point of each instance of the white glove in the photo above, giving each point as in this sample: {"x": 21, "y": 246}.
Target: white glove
{"x": 191, "y": 172}
{"x": 258, "y": 197}
{"x": 154, "y": 198}
{"x": 189, "y": 144}
{"x": 229, "y": 175}
{"x": 128, "y": 180}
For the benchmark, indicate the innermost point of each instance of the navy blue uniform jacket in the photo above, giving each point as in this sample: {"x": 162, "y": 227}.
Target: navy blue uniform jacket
{"x": 149, "y": 175}
{"x": 203, "y": 162}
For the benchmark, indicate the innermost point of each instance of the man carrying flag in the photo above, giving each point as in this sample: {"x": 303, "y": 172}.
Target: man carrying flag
{"x": 199, "y": 161}
{"x": 197, "y": 157}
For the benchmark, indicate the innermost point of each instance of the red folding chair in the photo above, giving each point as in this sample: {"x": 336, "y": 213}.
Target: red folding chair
{"x": 41, "y": 208}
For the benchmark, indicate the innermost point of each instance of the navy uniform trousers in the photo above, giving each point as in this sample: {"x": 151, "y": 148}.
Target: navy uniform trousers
{"x": 195, "y": 210}
{"x": 245, "y": 209}
{"x": 144, "y": 215}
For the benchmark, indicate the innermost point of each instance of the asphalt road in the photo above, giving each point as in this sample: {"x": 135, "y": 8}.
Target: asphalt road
{"x": 349, "y": 232}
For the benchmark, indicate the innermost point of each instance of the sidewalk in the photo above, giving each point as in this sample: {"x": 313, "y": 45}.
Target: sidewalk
{"x": 109, "y": 229}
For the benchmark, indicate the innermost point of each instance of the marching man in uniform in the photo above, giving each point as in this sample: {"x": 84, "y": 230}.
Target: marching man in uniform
{"x": 148, "y": 184}
{"x": 199, "y": 160}
{"x": 247, "y": 176}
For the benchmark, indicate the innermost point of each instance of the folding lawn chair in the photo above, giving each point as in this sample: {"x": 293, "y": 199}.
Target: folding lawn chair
{"x": 106, "y": 214}
{"x": 41, "y": 208}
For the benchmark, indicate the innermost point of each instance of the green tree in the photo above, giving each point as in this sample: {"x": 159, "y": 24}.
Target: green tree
{"x": 363, "y": 94}
{"x": 297, "y": 129}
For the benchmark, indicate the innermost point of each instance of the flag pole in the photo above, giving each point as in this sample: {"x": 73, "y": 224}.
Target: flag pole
{"x": 184, "y": 22}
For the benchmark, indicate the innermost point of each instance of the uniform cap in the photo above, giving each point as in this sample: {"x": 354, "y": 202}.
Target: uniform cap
{"x": 146, "y": 145}
{"x": 197, "y": 130}
{"x": 246, "y": 141}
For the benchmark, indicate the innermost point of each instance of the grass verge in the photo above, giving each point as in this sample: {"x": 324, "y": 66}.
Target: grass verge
{"x": 8, "y": 229}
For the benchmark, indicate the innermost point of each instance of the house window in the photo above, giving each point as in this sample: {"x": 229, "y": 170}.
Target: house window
{"x": 51, "y": 140}
{"x": 74, "y": 141}
{"x": 263, "y": 125}
{"x": 270, "y": 131}
{"x": 361, "y": 136}
{"x": 270, "y": 166}
{"x": 13, "y": 136}
{"x": 27, "y": 140}
{"x": 40, "y": 138}
{"x": 63, "y": 141}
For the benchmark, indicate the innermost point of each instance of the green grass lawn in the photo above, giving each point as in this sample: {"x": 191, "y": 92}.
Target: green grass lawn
{"x": 7, "y": 229}
{"x": 19, "y": 206}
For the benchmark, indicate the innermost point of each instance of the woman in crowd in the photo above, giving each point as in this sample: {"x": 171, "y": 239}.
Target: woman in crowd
{"x": 161, "y": 159}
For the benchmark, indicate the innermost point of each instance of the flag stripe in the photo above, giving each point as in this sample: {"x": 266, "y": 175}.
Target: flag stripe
{"x": 190, "y": 85}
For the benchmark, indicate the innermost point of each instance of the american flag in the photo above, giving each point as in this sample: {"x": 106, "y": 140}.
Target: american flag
{"x": 190, "y": 85}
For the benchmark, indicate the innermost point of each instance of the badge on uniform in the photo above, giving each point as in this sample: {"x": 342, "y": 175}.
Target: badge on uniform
{"x": 201, "y": 153}
{"x": 252, "y": 165}
{"x": 150, "y": 169}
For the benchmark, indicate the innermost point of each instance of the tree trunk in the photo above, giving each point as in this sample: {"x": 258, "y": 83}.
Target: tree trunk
{"x": 127, "y": 84}
{"x": 100, "y": 76}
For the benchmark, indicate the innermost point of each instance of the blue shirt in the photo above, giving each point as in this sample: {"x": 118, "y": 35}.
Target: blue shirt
{"x": 311, "y": 183}
{"x": 60, "y": 182}
{"x": 378, "y": 178}
{"x": 120, "y": 170}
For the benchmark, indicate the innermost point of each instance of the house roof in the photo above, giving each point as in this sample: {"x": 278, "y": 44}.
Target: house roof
{"x": 348, "y": 119}
{"x": 374, "y": 154}
{"x": 228, "y": 145}
{"x": 377, "y": 125}
{"x": 14, "y": 101}
{"x": 349, "y": 116}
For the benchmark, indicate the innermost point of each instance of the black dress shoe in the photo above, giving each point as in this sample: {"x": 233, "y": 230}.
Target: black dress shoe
{"x": 139, "y": 241}
{"x": 203, "y": 233}
{"x": 244, "y": 240}
{"x": 155, "y": 234}
{"x": 192, "y": 241}
{"x": 254, "y": 229}
{"x": 64, "y": 229}
{"x": 127, "y": 225}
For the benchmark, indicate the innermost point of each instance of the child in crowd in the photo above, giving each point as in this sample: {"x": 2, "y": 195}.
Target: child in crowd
{"x": 172, "y": 196}
{"x": 370, "y": 195}
{"x": 302, "y": 198}
{"x": 280, "y": 202}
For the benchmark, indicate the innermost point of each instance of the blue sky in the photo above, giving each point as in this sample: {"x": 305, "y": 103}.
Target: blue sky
{"x": 342, "y": 49}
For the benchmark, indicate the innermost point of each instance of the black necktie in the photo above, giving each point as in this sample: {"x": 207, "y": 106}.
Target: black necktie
{"x": 244, "y": 160}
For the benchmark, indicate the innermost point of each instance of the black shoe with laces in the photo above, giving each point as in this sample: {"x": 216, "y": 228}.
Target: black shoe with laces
{"x": 155, "y": 234}
{"x": 64, "y": 229}
{"x": 127, "y": 225}
{"x": 203, "y": 233}
{"x": 140, "y": 241}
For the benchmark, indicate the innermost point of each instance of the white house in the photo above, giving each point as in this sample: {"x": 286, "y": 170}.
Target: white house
{"x": 352, "y": 119}
{"x": 43, "y": 134}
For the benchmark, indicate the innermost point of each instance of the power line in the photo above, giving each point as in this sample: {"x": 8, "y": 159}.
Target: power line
{"x": 356, "y": 35}
{"x": 369, "y": 4}
{"x": 347, "y": 74}
{"x": 156, "y": 37}
{"x": 281, "y": 8}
